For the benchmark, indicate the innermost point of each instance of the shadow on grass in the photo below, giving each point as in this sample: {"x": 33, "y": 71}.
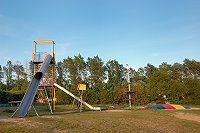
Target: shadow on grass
{"x": 57, "y": 113}
{"x": 42, "y": 110}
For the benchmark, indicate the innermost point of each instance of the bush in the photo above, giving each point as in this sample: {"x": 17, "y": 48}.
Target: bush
{"x": 91, "y": 96}
{"x": 190, "y": 102}
{"x": 107, "y": 96}
{"x": 6, "y": 97}
{"x": 63, "y": 98}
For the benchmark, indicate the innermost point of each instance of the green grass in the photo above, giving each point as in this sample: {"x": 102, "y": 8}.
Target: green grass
{"x": 193, "y": 106}
{"x": 67, "y": 120}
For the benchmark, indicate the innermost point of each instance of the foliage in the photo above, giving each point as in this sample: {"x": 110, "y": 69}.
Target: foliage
{"x": 103, "y": 80}
{"x": 175, "y": 81}
{"x": 1, "y": 74}
{"x": 62, "y": 97}
{"x": 19, "y": 71}
{"x": 97, "y": 75}
{"x": 9, "y": 74}
{"x": 114, "y": 74}
{"x": 6, "y": 97}
{"x": 75, "y": 69}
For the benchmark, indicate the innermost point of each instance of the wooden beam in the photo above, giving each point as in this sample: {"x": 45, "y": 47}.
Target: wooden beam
{"x": 44, "y": 42}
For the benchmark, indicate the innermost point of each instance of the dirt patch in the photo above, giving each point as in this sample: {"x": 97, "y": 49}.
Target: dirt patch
{"x": 195, "y": 108}
{"x": 51, "y": 117}
{"x": 187, "y": 116}
{"x": 24, "y": 122}
{"x": 19, "y": 121}
{"x": 4, "y": 117}
{"x": 117, "y": 110}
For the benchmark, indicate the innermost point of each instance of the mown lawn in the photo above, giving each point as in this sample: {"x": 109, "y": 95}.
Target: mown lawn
{"x": 65, "y": 119}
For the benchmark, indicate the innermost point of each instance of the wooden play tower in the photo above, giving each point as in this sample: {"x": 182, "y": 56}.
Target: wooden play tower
{"x": 40, "y": 48}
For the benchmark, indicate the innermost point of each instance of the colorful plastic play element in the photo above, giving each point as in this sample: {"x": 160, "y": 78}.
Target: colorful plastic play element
{"x": 167, "y": 106}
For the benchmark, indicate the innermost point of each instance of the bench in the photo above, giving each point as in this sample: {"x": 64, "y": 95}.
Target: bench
{"x": 14, "y": 103}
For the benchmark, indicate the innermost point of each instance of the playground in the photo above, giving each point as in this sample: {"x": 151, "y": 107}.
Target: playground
{"x": 99, "y": 66}
{"x": 65, "y": 119}
{"x": 130, "y": 110}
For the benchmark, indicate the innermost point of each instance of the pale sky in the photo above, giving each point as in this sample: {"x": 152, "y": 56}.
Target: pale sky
{"x": 134, "y": 32}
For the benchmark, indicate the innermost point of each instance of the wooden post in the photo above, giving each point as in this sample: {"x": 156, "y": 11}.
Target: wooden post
{"x": 129, "y": 88}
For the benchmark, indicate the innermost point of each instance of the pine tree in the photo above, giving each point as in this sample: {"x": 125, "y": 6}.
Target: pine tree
{"x": 8, "y": 70}
{"x": 97, "y": 73}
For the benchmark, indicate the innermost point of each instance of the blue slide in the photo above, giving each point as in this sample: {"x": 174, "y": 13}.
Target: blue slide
{"x": 32, "y": 89}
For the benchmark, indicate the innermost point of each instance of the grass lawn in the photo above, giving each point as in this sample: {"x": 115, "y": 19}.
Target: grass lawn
{"x": 65, "y": 119}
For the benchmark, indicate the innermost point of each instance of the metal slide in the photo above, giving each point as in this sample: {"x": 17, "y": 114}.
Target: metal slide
{"x": 32, "y": 89}
{"x": 72, "y": 95}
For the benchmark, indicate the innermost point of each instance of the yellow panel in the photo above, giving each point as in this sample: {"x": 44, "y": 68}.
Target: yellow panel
{"x": 82, "y": 86}
{"x": 178, "y": 106}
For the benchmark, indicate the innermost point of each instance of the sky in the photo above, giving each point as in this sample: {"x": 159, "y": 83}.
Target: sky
{"x": 134, "y": 32}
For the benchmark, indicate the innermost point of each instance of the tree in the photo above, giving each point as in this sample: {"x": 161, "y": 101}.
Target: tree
{"x": 191, "y": 68}
{"x": 165, "y": 67}
{"x": 114, "y": 74}
{"x": 1, "y": 74}
{"x": 1, "y": 77}
{"x": 110, "y": 73}
{"x": 8, "y": 70}
{"x": 97, "y": 74}
{"x": 141, "y": 72}
{"x": 71, "y": 71}
{"x": 24, "y": 85}
{"x": 19, "y": 71}
{"x": 117, "y": 74}
{"x": 80, "y": 67}
{"x": 192, "y": 90}
{"x": 175, "y": 91}
{"x": 176, "y": 71}
{"x": 158, "y": 85}
{"x": 59, "y": 74}
{"x": 149, "y": 70}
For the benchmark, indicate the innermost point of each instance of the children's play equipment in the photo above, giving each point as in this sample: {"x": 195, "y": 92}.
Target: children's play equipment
{"x": 167, "y": 106}
{"x": 129, "y": 89}
{"x": 130, "y": 94}
{"x": 32, "y": 89}
{"x": 40, "y": 48}
{"x": 79, "y": 99}
{"x": 40, "y": 62}
{"x": 79, "y": 94}
{"x": 136, "y": 95}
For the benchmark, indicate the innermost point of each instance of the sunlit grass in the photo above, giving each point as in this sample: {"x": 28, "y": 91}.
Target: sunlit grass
{"x": 66, "y": 119}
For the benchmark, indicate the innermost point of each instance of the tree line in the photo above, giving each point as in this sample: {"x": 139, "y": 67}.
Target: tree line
{"x": 180, "y": 83}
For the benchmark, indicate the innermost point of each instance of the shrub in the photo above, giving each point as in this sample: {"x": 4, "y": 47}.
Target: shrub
{"x": 63, "y": 98}
{"x": 6, "y": 97}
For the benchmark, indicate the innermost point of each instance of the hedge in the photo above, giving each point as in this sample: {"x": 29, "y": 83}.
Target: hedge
{"x": 6, "y": 97}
